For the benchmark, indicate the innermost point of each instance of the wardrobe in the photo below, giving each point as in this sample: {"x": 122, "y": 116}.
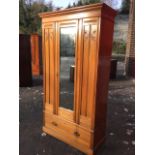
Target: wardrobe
{"x": 77, "y": 46}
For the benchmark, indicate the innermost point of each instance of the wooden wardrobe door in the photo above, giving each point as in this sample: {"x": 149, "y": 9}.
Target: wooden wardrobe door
{"x": 49, "y": 67}
{"x": 89, "y": 69}
{"x": 62, "y": 111}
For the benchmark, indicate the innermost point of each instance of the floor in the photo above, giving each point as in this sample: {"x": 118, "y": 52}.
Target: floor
{"x": 120, "y": 138}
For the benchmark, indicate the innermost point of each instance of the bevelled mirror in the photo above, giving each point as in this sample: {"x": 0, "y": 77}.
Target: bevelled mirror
{"x": 67, "y": 66}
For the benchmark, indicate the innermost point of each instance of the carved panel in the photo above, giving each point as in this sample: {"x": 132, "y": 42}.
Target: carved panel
{"x": 89, "y": 62}
{"x": 49, "y": 49}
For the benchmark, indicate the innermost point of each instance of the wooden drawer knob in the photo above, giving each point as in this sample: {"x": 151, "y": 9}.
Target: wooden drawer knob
{"x": 76, "y": 134}
{"x": 54, "y": 123}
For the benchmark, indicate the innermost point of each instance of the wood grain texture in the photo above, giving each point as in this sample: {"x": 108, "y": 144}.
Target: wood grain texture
{"x": 36, "y": 55}
{"x": 52, "y": 65}
{"x": 102, "y": 82}
{"x": 83, "y": 127}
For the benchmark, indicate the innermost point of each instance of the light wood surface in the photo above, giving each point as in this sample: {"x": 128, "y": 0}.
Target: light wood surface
{"x": 83, "y": 127}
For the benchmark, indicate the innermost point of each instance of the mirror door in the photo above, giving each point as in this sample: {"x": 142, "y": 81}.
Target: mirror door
{"x": 66, "y": 65}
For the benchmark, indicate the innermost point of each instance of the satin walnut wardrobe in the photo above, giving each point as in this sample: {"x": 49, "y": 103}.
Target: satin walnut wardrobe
{"x": 77, "y": 45}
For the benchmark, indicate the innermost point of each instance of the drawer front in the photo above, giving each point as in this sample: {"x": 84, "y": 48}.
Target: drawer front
{"x": 54, "y": 122}
{"x": 74, "y": 132}
{"x": 84, "y": 136}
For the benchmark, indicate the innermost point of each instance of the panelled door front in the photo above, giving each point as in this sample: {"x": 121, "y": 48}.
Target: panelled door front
{"x": 49, "y": 66}
{"x": 65, "y": 43}
{"x": 90, "y": 51}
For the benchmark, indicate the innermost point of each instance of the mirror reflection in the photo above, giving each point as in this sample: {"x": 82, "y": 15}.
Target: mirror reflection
{"x": 67, "y": 66}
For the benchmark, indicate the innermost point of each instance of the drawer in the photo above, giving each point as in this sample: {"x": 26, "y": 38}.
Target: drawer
{"x": 54, "y": 122}
{"x": 74, "y": 132}
{"x": 84, "y": 135}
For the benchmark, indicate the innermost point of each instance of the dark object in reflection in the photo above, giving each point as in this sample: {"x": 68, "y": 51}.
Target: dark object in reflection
{"x": 113, "y": 69}
{"x": 67, "y": 58}
{"x": 72, "y": 68}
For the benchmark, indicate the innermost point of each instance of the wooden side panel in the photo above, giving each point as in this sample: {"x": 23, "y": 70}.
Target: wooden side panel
{"x": 100, "y": 110}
